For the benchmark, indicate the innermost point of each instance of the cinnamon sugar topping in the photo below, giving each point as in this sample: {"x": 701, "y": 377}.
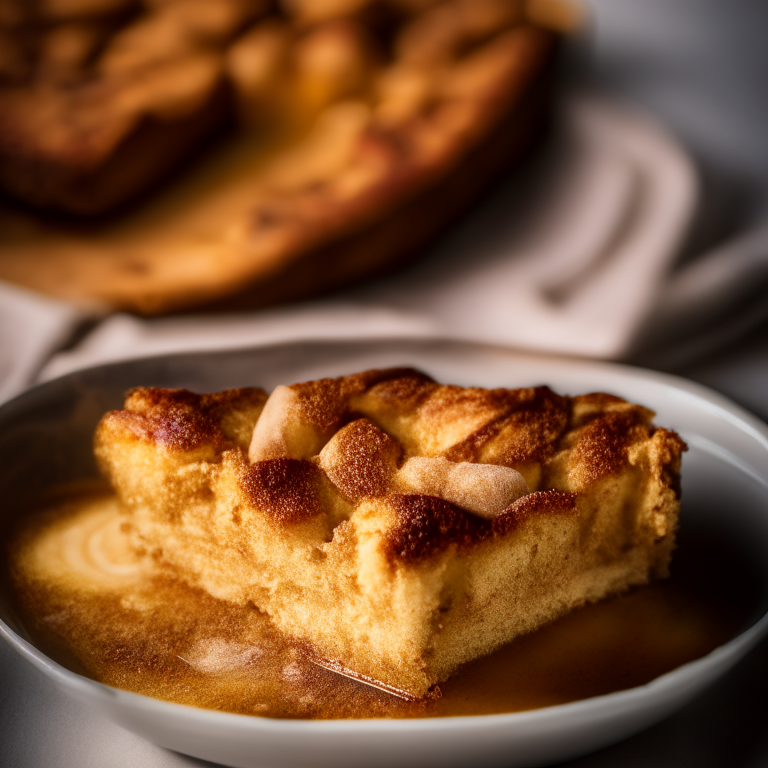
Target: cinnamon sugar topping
{"x": 361, "y": 460}
{"x": 288, "y": 490}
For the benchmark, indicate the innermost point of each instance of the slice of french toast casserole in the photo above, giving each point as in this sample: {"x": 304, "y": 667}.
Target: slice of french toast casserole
{"x": 396, "y": 526}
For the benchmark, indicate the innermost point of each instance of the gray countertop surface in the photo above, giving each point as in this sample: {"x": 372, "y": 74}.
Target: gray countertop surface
{"x": 702, "y": 68}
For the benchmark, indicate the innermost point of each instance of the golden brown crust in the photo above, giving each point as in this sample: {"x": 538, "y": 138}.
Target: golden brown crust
{"x": 425, "y": 525}
{"x": 539, "y": 503}
{"x": 324, "y": 403}
{"x": 178, "y": 419}
{"x": 531, "y": 420}
{"x": 287, "y": 490}
{"x": 371, "y": 421}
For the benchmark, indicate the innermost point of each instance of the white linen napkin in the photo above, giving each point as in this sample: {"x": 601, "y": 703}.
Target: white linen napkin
{"x": 576, "y": 255}
{"x": 32, "y": 328}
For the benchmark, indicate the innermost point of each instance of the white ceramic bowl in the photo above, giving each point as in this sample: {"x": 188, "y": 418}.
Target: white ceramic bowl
{"x": 45, "y": 438}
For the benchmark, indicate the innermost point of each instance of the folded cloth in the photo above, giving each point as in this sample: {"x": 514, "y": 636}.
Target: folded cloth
{"x": 576, "y": 255}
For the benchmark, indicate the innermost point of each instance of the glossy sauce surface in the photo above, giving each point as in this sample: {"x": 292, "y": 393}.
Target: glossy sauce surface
{"x": 90, "y": 603}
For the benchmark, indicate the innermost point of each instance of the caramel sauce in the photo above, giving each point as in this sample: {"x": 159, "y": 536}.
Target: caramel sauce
{"x": 91, "y": 604}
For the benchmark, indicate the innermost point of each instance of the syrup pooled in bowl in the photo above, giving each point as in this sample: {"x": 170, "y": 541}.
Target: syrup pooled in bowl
{"x": 95, "y": 606}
